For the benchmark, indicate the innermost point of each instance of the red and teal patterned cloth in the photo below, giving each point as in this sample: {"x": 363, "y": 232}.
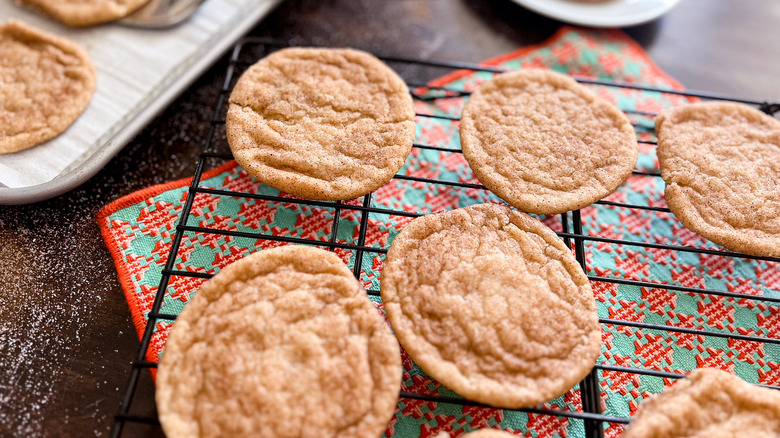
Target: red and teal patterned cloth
{"x": 139, "y": 228}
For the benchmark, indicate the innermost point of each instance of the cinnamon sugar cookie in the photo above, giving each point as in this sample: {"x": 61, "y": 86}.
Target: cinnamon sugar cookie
{"x": 282, "y": 343}
{"x": 85, "y": 12}
{"x": 544, "y": 143}
{"x": 47, "y": 82}
{"x": 491, "y": 303}
{"x": 721, "y": 165}
{"x": 708, "y": 403}
{"x": 327, "y": 124}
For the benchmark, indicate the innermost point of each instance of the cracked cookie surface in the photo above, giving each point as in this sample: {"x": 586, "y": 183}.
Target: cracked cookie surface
{"x": 721, "y": 165}
{"x": 47, "y": 82}
{"x": 490, "y": 302}
{"x": 85, "y": 12}
{"x": 545, "y": 144}
{"x": 282, "y": 343}
{"x": 708, "y": 403}
{"x": 328, "y": 124}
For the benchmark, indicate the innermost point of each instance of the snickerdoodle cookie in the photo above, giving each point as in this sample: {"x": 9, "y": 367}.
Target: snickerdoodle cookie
{"x": 46, "y": 83}
{"x": 325, "y": 124}
{"x": 490, "y": 302}
{"x": 721, "y": 165}
{"x": 85, "y": 12}
{"x": 544, "y": 143}
{"x": 282, "y": 343}
{"x": 708, "y": 403}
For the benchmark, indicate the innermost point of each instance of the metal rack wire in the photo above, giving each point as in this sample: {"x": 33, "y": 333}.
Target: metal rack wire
{"x": 571, "y": 232}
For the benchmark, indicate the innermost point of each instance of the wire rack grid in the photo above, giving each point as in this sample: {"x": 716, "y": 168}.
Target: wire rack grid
{"x": 570, "y": 228}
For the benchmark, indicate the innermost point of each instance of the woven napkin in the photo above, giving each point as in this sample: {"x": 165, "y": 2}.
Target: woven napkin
{"x": 138, "y": 230}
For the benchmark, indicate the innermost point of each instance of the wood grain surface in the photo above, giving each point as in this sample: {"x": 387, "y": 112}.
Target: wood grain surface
{"x": 66, "y": 339}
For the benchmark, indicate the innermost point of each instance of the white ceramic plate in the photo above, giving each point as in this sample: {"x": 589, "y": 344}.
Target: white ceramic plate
{"x": 608, "y": 13}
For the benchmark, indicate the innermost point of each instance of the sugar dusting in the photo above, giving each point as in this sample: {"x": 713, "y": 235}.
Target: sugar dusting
{"x": 48, "y": 301}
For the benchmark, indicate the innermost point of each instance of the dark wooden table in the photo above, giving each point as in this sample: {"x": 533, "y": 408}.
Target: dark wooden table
{"x": 66, "y": 339}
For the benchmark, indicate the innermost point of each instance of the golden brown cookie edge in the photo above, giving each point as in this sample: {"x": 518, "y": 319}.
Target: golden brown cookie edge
{"x": 676, "y": 196}
{"x": 643, "y": 424}
{"x": 258, "y": 263}
{"x": 23, "y": 30}
{"x": 530, "y": 204}
{"x": 81, "y": 15}
{"x": 290, "y": 182}
{"x": 409, "y": 340}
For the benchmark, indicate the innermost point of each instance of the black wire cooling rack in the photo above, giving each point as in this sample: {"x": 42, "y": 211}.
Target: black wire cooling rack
{"x": 249, "y": 50}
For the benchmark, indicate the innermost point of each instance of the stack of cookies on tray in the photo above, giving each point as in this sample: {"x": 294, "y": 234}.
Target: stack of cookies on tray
{"x": 486, "y": 299}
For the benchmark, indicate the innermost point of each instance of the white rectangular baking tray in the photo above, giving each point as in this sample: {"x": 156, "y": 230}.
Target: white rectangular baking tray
{"x": 139, "y": 72}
